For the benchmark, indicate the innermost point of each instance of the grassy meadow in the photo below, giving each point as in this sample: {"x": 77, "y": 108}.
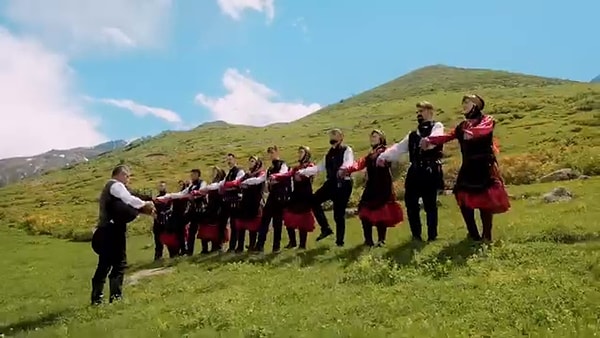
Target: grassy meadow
{"x": 540, "y": 278}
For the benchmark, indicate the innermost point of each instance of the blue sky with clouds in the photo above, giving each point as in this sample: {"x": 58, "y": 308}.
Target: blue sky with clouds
{"x": 79, "y": 72}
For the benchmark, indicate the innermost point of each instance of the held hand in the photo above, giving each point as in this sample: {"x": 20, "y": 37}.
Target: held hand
{"x": 381, "y": 162}
{"x": 468, "y": 135}
{"x": 297, "y": 177}
{"x": 424, "y": 143}
{"x": 343, "y": 172}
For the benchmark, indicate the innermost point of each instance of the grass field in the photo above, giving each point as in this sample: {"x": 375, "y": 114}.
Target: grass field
{"x": 541, "y": 278}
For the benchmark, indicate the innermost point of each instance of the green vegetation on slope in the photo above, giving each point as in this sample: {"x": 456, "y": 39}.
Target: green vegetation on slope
{"x": 540, "y": 279}
{"x": 544, "y": 124}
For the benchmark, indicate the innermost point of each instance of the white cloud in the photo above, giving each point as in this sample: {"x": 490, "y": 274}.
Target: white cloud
{"x": 83, "y": 25}
{"x": 252, "y": 103}
{"x": 235, "y": 8}
{"x": 37, "y": 109}
{"x": 142, "y": 110}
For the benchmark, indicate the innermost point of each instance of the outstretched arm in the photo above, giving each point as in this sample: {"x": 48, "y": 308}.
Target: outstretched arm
{"x": 358, "y": 165}
{"x": 119, "y": 191}
{"x": 348, "y": 158}
{"x": 394, "y": 152}
{"x": 313, "y": 170}
{"x": 261, "y": 178}
{"x": 485, "y": 127}
{"x": 441, "y": 139}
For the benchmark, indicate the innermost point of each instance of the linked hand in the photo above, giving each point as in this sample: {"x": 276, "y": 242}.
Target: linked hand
{"x": 425, "y": 143}
{"x": 381, "y": 162}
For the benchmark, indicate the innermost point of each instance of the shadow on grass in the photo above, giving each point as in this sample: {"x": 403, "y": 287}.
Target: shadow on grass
{"x": 560, "y": 237}
{"x": 404, "y": 254}
{"x": 458, "y": 253}
{"x": 35, "y": 323}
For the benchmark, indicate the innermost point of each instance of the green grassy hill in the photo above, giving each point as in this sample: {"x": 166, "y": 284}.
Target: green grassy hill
{"x": 544, "y": 124}
{"x": 540, "y": 279}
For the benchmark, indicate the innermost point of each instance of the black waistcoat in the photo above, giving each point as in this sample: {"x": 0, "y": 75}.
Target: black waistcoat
{"x": 334, "y": 160}
{"x": 418, "y": 156}
{"x": 283, "y": 187}
{"x": 232, "y": 195}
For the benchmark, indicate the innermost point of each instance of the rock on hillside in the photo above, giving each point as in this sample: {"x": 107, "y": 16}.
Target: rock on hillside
{"x": 596, "y": 79}
{"x": 17, "y": 168}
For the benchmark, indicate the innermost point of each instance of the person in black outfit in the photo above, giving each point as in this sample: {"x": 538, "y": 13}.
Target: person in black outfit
{"x": 179, "y": 219}
{"x": 117, "y": 207}
{"x": 424, "y": 178}
{"x": 231, "y": 200}
{"x": 160, "y": 221}
{"x": 208, "y": 230}
{"x": 335, "y": 189}
{"x": 196, "y": 207}
{"x": 279, "y": 192}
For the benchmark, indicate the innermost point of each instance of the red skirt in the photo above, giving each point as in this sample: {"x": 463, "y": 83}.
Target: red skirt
{"x": 208, "y": 232}
{"x": 390, "y": 214}
{"x": 169, "y": 240}
{"x": 494, "y": 199}
{"x": 302, "y": 221}
{"x": 248, "y": 224}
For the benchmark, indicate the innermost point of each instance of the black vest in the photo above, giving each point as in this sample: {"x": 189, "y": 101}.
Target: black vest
{"x": 198, "y": 205}
{"x": 282, "y": 188}
{"x": 333, "y": 161}
{"x": 112, "y": 210}
{"x": 418, "y": 156}
{"x": 232, "y": 194}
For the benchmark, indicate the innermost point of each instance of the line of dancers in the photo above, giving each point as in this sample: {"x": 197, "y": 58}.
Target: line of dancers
{"x": 232, "y": 204}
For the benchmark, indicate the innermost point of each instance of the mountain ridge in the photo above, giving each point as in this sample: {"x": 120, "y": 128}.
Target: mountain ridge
{"x": 14, "y": 169}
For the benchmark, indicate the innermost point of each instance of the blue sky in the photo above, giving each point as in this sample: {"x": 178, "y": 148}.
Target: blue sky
{"x": 282, "y": 58}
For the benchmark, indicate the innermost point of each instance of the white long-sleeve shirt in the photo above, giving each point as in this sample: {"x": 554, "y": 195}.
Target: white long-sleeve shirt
{"x": 394, "y": 152}
{"x": 182, "y": 193}
{"x": 347, "y": 162}
{"x": 255, "y": 180}
{"x": 119, "y": 191}
{"x": 217, "y": 185}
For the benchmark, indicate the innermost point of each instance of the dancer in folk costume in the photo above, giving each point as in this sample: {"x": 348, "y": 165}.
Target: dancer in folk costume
{"x": 231, "y": 199}
{"x": 378, "y": 206}
{"x": 249, "y": 213}
{"x": 160, "y": 222}
{"x": 298, "y": 213}
{"x": 117, "y": 207}
{"x": 335, "y": 189}
{"x": 425, "y": 177}
{"x": 208, "y": 232}
{"x": 479, "y": 184}
{"x": 278, "y": 196}
{"x": 195, "y": 210}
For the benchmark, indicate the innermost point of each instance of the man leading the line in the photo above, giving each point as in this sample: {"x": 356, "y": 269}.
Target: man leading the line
{"x": 335, "y": 189}
{"x": 117, "y": 207}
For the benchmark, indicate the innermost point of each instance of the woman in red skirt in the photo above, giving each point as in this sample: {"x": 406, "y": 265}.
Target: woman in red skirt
{"x": 298, "y": 212}
{"x": 249, "y": 214}
{"x": 378, "y": 206}
{"x": 479, "y": 184}
{"x": 208, "y": 231}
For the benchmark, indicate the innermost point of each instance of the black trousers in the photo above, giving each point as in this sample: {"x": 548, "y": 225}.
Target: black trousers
{"x": 337, "y": 191}
{"x": 236, "y": 241}
{"x": 111, "y": 245}
{"x": 157, "y": 229}
{"x": 190, "y": 241}
{"x": 272, "y": 211}
{"x": 424, "y": 185}
{"x": 486, "y": 222}
{"x": 292, "y": 235}
{"x": 368, "y": 232}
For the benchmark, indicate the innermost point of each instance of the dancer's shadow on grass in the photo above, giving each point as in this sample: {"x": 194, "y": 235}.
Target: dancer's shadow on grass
{"x": 459, "y": 253}
{"x": 35, "y": 323}
{"x": 403, "y": 255}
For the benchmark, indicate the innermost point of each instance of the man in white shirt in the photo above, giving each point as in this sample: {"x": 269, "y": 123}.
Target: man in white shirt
{"x": 117, "y": 207}
{"x": 424, "y": 177}
{"x": 335, "y": 189}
